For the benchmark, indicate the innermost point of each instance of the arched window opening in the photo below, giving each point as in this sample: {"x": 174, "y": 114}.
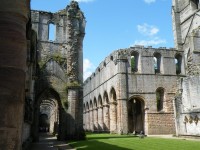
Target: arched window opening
{"x": 111, "y": 58}
{"x": 95, "y": 103}
{"x": 159, "y": 98}
{"x": 157, "y": 61}
{"x": 87, "y": 107}
{"x": 178, "y": 60}
{"x": 91, "y": 105}
{"x": 134, "y": 61}
{"x": 194, "y": 4}
{"x": 52, "y": 32}
{"x": 100, "y": 101}
{"x": 105, "y": 97}
{"x": 104, "y": 64}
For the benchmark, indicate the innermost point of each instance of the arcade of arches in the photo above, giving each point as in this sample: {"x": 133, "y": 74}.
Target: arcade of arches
{"x": 101, "y": 115}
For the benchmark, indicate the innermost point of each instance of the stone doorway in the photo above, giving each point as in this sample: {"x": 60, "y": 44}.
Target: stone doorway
{"x": 136, "y": 115}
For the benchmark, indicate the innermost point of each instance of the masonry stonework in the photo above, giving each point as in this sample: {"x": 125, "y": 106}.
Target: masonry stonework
{"x": 131, "y": 95}
{"x": 151, "y": 90}
{"x": 154, "y": 90}
{"x": 186, "y": 26}
{"x": 60, "y": 62}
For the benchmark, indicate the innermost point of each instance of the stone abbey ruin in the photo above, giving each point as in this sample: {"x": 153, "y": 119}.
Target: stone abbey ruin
{"x": 154, "y": 90}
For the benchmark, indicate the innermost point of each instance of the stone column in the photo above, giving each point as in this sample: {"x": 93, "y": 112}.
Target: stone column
{"x": 91, "y": 121}
{"x": 84, "y": 120}
{"x": 100, "y": 119}
{"x": 113, "y": 117}
{"x": 146, "y": 125}
{"x": 13, "y": 50}
{"x": 106, "y": 118}
{"x": 95, "y": 119}
{"x": 88, "y": 121}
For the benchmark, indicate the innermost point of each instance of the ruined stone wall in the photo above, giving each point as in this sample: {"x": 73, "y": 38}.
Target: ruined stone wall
{"x": 116, "y": 72}
{"x": 61, "y": 65}
{"x": 188, "y": 115}
{"x": 186, "y": 30}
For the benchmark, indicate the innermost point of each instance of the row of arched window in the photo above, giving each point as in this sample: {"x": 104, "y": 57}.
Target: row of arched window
{"x": 157, "y": 62}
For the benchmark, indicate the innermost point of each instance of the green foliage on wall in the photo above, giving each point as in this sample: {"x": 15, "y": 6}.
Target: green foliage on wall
{"x": 57, "y": 57}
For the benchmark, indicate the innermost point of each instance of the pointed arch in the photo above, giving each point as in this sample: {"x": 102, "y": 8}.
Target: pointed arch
{"x": 87, "y": 106}
{"x": 113, "y": 111}
{"x": 95, "y": 103}
{"x": 100, "y": 103}
{"x": 105, "y": 98}
{"x": 95, "y": 115}
{"x": 106, "y": 114}
{"x": 91, "y": 105}
{"x": 113, "y": 97}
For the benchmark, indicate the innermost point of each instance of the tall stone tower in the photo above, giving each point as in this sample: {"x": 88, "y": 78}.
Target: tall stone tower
{"x": 186, "y": 27}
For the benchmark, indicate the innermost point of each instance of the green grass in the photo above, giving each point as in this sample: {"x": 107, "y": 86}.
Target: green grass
{"x": 127, "y": 142}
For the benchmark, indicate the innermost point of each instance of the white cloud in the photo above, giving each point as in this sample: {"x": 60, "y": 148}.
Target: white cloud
{"x": 150, "y": 42}
{"x": 149, "y": 1}
{"x": 84, "y": 1}
{"x": 88, "y": 68}
{"x": 148, "y": 30}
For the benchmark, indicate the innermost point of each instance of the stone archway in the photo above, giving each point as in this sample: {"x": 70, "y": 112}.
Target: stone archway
{"x": 136, "y": 115}
{"x": 106, "y": 114}
{"x": 56, "y": 113}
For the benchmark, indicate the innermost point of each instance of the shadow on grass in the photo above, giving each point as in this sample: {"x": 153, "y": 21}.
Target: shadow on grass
{"x": 93, "y": 141}
{"x": 95, "y": 145}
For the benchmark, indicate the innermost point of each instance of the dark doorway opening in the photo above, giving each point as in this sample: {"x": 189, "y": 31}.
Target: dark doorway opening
{"x": 136, "y": 115}
{"x": 43, "y": 123}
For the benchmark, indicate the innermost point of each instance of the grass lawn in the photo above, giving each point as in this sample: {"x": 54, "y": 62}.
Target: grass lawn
{"x": 128, "y": 142}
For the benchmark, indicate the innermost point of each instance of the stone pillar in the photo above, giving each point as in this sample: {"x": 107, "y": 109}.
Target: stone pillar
{"x": 91, "y": 121}
{"x": 84, "y": 120}
{"x": 88, "y": 121}
{"x": 100, "y": 119}
{"x": 106, "y": 118}
{"x": 122, "y": 111}
{"x": 113, "y": 117}
{"x": 13, "y": 50}
{"x": 74, "y": 45}
{"x": 95, "y": 119}
{"x": 146, "y": 126}
{"x": 75, "y": 114}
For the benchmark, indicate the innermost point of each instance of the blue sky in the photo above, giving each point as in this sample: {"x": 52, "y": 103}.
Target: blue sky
{"x": 116, "y": 24}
